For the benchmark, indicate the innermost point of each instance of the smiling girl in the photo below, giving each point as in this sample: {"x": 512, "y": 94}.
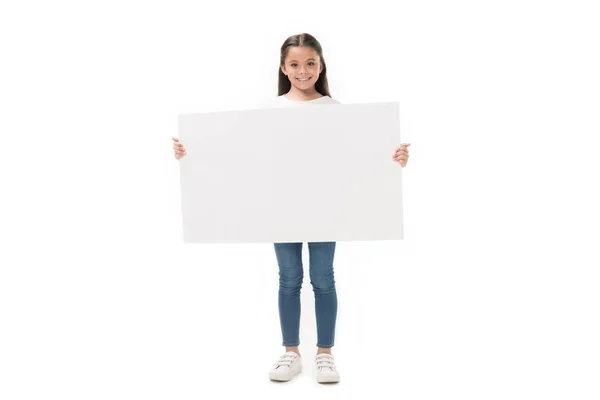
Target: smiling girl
{"x": 303, "y": 81}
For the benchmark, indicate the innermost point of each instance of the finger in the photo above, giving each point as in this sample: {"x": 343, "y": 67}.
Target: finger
{"x": 175, "y": 139}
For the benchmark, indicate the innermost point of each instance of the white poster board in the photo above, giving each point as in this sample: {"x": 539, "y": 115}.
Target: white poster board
{"x": 301, "y": 174}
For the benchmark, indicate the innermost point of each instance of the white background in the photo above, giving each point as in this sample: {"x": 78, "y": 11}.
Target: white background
{"x": 493, "y": 294}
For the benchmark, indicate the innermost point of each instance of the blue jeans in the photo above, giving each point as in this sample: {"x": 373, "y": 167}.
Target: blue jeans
{"x": 291, "y": 273}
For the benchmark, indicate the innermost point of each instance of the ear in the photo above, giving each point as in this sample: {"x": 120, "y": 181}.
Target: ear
{"x": 320, "y": 68}
{"x": 283, "y": 69}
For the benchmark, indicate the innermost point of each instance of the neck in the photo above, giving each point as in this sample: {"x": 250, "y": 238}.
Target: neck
{"x": 303, "y": 95}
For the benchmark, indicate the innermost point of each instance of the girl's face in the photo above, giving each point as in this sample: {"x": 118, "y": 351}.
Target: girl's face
{"x": 302, "y": 67}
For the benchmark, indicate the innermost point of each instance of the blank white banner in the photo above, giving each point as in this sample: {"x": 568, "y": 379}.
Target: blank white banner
{"x": 318, "y": 173}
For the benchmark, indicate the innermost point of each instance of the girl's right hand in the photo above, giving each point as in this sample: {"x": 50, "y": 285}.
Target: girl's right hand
{"x": 178, "y": 148}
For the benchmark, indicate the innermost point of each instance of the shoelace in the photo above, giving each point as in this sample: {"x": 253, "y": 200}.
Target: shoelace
{"x": 285, "y": 361}
{"x": 325, "y": 362}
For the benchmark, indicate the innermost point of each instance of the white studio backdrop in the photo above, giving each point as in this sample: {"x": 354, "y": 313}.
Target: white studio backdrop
{"x": 491, "y": 294}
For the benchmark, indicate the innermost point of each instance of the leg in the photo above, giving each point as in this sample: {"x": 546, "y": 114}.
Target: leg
{"x": 289, "y": 259}
{"x": 323, "y": 283}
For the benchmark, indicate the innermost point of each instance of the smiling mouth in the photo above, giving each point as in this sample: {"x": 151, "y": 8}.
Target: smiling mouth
{"x": 303, "y": 80}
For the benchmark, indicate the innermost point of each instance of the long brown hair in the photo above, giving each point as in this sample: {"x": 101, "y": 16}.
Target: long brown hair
{"x": 302, "y": 40}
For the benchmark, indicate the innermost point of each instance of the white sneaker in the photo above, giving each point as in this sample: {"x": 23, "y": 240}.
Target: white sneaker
{"x": 288, "y": 365}
{"x": 326, "y": 370}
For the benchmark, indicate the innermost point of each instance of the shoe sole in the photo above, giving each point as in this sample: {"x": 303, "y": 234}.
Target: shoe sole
{"x": 328, "y": 380}
{"x": 288, "y": 379}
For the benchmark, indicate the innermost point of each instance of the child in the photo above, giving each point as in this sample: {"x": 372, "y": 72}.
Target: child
{"x": 303, "y": 81}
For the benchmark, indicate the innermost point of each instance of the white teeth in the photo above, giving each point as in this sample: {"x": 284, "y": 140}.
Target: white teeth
{"x": 305, "y": 79}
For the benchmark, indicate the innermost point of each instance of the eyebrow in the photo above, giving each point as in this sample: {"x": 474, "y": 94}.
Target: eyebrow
{"x": 306, "y": 60}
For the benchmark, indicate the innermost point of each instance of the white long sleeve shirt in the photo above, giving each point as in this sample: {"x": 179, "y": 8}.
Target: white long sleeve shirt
{"x": 283, "y": 101}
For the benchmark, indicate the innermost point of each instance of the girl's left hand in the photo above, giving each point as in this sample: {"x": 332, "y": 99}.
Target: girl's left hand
{"x": 401, "y": 154}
